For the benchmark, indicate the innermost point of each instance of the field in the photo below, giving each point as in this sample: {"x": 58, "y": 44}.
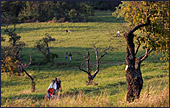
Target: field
{"x": 111, "y": 89}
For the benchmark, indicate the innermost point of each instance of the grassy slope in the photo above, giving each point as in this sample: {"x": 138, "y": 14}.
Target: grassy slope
{"x": 111, "y": 78}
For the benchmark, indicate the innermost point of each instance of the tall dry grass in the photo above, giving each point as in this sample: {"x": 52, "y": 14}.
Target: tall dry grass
{"x": 155, "y": 98}
{"x": 79, "y": 100}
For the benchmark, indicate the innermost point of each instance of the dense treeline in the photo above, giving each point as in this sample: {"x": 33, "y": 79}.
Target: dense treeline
{"x": 104, "y": 5}
{"x": 56, "y": 11}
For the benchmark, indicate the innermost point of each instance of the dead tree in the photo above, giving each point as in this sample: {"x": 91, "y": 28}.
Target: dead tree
{"x": 133, "y": 71}
{"x": 88, "y": 71}
{"x": 22, "y": 67}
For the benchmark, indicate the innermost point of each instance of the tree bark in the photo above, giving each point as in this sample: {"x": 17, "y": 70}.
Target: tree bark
{"x": 88, "y": 67}
{"x": 130, "y": 68}
{"x": 133, "y": 73}
{"x": 90, "y": 76}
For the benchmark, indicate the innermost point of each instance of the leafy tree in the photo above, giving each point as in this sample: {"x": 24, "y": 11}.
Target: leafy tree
{"x": 11, "y": 60}
{"x": 11, "y": 54}
{"x": 10, "y": 11}
{"x": 13, "y": 37}
{"x": 152, "y": 19}
{"x": 47, "y": 10}
{"x": 43, "y": 46}
{"x": 29, "y": 12}
{"x": 119, "y": 9}
{"x": 104, "y": 5}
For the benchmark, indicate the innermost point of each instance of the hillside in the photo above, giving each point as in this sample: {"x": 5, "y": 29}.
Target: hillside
{"x": 111, "y": 89}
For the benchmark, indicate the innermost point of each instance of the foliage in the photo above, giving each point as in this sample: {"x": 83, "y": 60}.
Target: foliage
{"x": 156, "y": 35}
{"x": 11, "y": 54}
{"x": 43, "y": 46}
{"x": 10, "y": 11}
{"x": 9, "y": 65}
{"x": 15, "y": 90}
{"x": 31, "y": 11}
{"x": 119, "y": 9}
{"x": 104, "y": 5}
{"x": 2, "y": 38}
{"x": 13, "y": 37}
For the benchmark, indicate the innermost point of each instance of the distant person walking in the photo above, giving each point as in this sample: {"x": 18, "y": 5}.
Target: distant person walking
{"x": 66, "y": 56}
{"x": 68, "y": 30}
{"x": 118, "y": 33}
{"x": 70, "y": 55}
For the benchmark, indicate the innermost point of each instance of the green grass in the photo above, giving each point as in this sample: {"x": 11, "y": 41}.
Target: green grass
{"x": 16, "y": 91}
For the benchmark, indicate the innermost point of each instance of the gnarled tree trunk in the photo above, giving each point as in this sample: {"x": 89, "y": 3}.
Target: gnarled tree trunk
{"x": 133, "y": 72}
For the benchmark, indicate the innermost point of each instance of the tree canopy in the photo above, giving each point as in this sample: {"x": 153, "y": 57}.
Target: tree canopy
{"x": 156, "y": 35}
{"x": 25, "y": 11}
{"x": 58, "y": 11}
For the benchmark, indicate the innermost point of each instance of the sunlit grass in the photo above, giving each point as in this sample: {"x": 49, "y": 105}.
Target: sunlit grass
{"x": 111, "y": 88}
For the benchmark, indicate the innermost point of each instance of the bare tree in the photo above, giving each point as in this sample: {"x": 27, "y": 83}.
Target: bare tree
{"x": 98, "y": 60}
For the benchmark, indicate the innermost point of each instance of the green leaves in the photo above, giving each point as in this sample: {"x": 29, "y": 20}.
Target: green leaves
{"x": 31, "y": 11}
{"x": 156, "y": 35}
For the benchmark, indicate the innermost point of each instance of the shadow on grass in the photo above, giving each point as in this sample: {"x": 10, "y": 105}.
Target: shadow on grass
{"x": 111, "y": 59}
{"x": 106, "y": 17}
{"x": 60, "y": 63}
{"x": 23, "y": 96}
{"x": 10, "y": 83}
{"x": 100, "y": 16}
{"x": 96, "y": 90}
{"x": 55, "y": 28}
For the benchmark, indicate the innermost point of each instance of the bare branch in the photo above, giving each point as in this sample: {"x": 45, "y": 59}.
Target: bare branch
{"x": 28, "y": 74}
{"x": 26, "y": 65}
{"x": 138, "y": 46}
{"x": 30, "y": 60}
{"x": 84, "y": 71}
{"x": 107, "y": 49}
{"x": 148, "y": 51}
{"x": 88, "y": 61}
{"x": 98, "y": 61}
{"x": 104, "y": 53}
{"x": 96, "y": 52}
{"x": 95, "y": 73}
{"x": 43, "y": 52}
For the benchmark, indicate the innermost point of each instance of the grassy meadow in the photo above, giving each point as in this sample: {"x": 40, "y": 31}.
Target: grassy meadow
{"x": 111, "y": 89}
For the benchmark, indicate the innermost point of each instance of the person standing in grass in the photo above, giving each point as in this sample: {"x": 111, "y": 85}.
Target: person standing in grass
{"x": 58, "y": 87}
{"x": 55, "y": 79}
{"x": 66, "y": 56}
{"x": 70, "y": 55}
{"x": 51, "y": 90}
{"x": 118, "y": 33}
